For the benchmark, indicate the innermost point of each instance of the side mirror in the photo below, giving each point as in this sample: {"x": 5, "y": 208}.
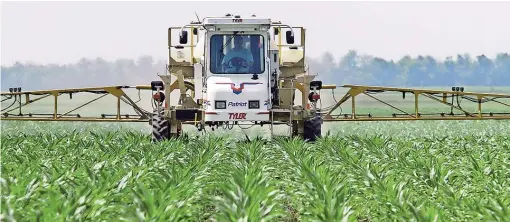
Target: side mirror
{"x": 195, "y": 31}
{"x": 183, "y": 37}
{"x": 156, "y": 84}
{"x": 276, "y": 31}
{"x": 289, "y": 37}
{"x": 317, "y": 85}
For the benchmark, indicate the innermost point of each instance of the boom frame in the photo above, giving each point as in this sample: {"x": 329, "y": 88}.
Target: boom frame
{"x": 328, "y": 115}
{"x": 357, "y": 90}
{"x": 116, "y": 91}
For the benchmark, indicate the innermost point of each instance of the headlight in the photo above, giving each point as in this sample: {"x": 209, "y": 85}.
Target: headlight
{"x": 253, "y": 104}
{"x": 220, "y": 104}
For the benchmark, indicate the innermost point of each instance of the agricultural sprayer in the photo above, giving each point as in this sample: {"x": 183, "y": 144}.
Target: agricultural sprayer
{"x": 235, "y": 70}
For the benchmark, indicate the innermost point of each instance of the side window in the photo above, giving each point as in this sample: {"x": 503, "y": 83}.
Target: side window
{"x": 216, "y": 53}
{"x": 256, "y": 47}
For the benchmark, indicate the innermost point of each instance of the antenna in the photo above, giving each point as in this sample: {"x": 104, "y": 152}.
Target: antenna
{"x": 197, "y": 17}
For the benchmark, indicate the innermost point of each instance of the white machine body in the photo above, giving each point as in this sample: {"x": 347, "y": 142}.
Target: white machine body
{"x": 237, "y": 94}
{"x": 236, "y": 65}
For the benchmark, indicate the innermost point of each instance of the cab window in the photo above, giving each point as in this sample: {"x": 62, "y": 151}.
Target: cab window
{"x": 239, "y": 54}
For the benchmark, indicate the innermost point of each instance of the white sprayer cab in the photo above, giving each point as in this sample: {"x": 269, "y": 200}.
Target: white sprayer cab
{"x": 237, "y": 69}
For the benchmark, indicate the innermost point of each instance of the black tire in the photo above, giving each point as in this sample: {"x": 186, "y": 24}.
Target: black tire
{"x": 160, "y": 126}
{"x": 312, "y": 129}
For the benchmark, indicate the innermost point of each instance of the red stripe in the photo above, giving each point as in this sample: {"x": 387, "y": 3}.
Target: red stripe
{"x": 260, "y": 113}
{"x": 211, "y": 113}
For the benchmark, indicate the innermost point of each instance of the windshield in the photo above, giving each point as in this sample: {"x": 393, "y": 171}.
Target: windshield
{"x": 242, "y": 54}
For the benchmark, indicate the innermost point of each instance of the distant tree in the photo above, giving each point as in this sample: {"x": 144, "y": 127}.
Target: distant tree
{"x": 351, "y": 68}
{"x": 483, "y": 69}
{"x": 502, "y": 69}
{"x": 325, "y": 67}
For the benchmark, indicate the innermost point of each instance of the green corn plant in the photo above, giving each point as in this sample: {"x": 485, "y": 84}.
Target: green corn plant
{"x": 420, "y": 171}
{"x": 248, "y": 194}
{"x": 326, "y": 195}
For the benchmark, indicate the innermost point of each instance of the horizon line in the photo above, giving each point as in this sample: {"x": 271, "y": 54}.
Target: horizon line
{"x": 156, "y": 60}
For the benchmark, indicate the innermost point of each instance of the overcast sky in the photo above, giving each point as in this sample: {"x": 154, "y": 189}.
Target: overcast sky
{"x": 64, "y": 32}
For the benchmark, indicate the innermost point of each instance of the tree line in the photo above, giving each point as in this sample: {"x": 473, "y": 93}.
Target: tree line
{"x": 352, "y": 68}
{"x": 463, "y": 69}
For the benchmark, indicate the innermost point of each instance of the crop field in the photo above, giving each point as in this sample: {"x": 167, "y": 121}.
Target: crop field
{"x": 405, "y": 171}
{"x": 359, "y": 171}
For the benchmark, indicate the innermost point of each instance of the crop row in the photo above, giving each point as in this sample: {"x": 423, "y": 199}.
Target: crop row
{"x": 92, "y": 176}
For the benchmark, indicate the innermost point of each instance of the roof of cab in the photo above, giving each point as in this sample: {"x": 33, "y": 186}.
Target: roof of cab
{"x": 237, "y": 19}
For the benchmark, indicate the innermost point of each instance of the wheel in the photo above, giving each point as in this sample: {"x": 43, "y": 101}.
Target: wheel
{"x": 312, "y": 128}
{"x": 160, "y": 126}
